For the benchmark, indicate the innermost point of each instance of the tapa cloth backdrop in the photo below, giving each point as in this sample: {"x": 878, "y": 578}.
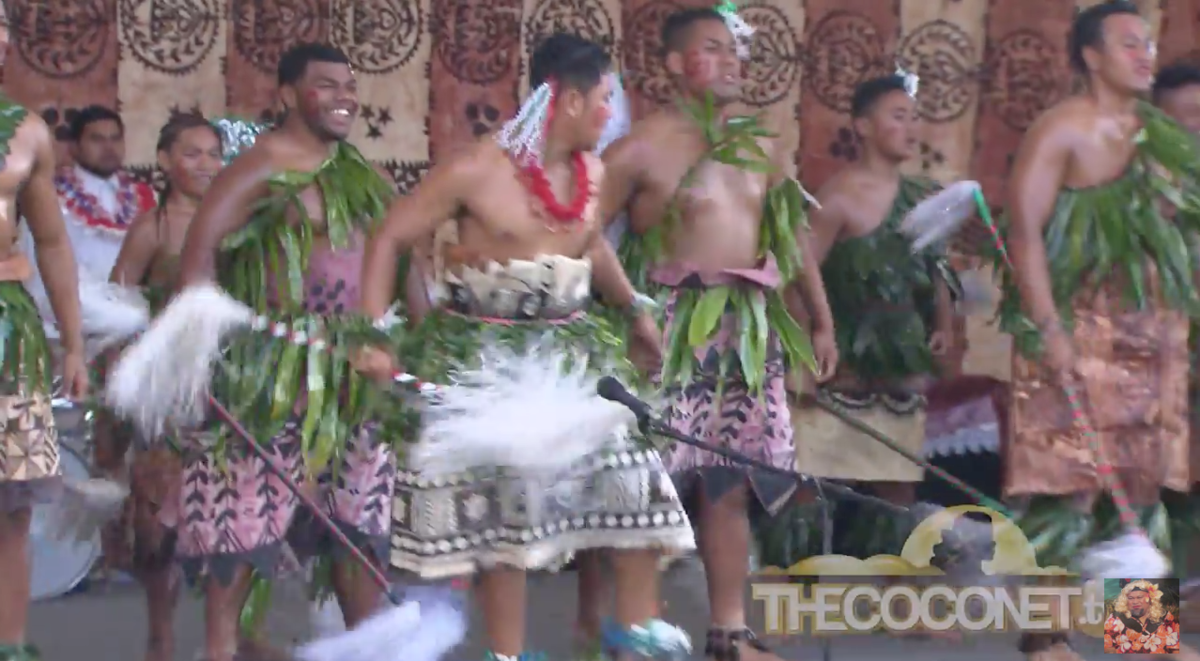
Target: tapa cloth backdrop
{"x": 434, "y": 74}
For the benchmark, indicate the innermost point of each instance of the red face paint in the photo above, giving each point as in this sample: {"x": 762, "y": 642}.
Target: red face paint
{"x": 601, "y": 116}
{"x": 698, "y": 69}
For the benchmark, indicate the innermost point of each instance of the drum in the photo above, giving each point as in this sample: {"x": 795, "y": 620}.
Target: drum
{"x": 59, "y": 566}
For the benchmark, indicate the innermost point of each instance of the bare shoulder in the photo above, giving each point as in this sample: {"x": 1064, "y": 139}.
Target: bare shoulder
{"x": 838, "y": 189}
{"x": 35, "y": 129}
{"x": 1063, "y": 123}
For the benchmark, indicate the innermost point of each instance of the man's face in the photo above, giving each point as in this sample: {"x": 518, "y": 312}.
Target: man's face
{"x": 1183, "y": 104}
{"x": 710, "y": 62}
{"x": 327, "y": 99}
{"x": 595, "y": 113}
{"x": 1127, "y": 54}
{"x": 890, "y": 127}
{"x": 101, "y": 148}
{"x": 1139, "y": 603}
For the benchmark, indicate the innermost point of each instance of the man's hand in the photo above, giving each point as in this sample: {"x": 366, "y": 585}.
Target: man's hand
{"x": 645, "y": 346}
{"x": 375, "y": 363}
{"x": 75, "y": 377}
{"x": 1059, "y": 353}
{"x": 825, "y": 352}
{"x": 939, "y": 343}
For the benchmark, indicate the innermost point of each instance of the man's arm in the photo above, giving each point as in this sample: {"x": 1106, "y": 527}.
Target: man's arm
{"x": 608, "y": 276}
{"x": 137, "y": 251}
{"x": 225, "y": 208}
{"x": 623, "y": 162}
{"x": 814, "y": 242}
{"x": 1037, "y": 176}
{"x": 56, "y": 261}
{"x": 411, "y": 218}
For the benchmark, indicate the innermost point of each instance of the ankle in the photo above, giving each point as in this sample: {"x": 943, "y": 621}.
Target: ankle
{"x": 727, "y": 643}
{"x": 654, "y": 638}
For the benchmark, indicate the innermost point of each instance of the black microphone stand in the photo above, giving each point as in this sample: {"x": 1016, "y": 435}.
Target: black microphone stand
{"x": 650, "y": 424}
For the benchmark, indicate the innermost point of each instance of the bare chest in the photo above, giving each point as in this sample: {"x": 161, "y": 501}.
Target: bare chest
{"x": 505, "y": 219}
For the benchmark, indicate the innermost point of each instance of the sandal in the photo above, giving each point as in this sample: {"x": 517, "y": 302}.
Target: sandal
{"x": 656, "y": 639}
{"x": 722, "y": 644}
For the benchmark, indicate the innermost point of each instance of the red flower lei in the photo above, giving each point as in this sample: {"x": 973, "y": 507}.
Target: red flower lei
{"x": 564, "y": 214}
{"x": 133, "y": 199}
{"x": 539, "y": 184}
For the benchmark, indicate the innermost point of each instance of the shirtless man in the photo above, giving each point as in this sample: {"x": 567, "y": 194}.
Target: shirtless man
{"x": 529, "y": 244}
{"x": 29, "y": 471}
{"x": 1112, "y": 329}
{"x": 228, "y": 522}
{"x": 1177, "y": 93}
{"x": 893, "y": 321}
{"x": 189, "y": 153}
{"x": 721, "y": 222}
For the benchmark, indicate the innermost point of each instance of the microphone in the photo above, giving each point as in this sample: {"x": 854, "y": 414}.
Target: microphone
{"x": 614, "y": 391}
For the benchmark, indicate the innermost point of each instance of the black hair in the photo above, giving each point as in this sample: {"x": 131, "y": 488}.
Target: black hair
{"x": 678, "y": 26}
{"x": 570, "y": 60}
{"x": 868, "y": 93}
{"x": 91, "y": 115}
{"x": 295, "y": 61}
{"x": 1088, "y": 29}
{"x": 1175, "y": 76}
{"x": 168, "y": 136}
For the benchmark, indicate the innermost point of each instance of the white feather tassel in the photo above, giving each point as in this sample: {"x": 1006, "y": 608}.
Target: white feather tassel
{"x": 938, "y": 216}
{"x": 162, "y": 381}
{"x": 110, "y": 314}
{"x": 518, "y": 411}
{"x": 84, "y": 507}
{"x": 1132, "y": 555}
{"x": 411, "y": 632}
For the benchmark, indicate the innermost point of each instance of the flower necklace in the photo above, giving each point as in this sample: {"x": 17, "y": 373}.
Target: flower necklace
{"x": 133, "y": 198}
{"x": 570, "y": 214}
{"x": 523, "y": 137}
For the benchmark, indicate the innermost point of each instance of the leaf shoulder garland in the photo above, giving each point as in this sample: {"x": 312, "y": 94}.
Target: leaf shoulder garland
{"x": 263, "y": 375}
{"x": 883, "y": 296}
{"x": 697, "y": 313}
{"x": 1107, "y": 235}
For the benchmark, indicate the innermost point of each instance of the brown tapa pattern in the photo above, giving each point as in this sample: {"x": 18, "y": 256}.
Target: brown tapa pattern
{"x": 1134, "y": 370}
{"x": 29, "y": 460}
{"x": 137, "y": 539}
{"x": 65, "y": 55}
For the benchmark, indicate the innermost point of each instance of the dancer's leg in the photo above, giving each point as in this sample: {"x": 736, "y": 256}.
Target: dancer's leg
{"x": 501, "y": 593}
{"x": 593, "y": 595}
{"x": 14, "y": 575}
{"x": 223, "y": 603}
{"x": 161, "y": 585}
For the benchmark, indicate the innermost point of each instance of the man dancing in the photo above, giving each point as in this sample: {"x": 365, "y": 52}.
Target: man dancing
{"x": 29, "y": 470}
{"x": 892, "y": 311}
{"x": 190, "y": 154}
{"x": 286, "y": 222}
{"x": 1098, "y": 298}
{"x": 529, "y": 246}
{"x": 1177, "y": 93}
{"x": 700, "y": 224}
